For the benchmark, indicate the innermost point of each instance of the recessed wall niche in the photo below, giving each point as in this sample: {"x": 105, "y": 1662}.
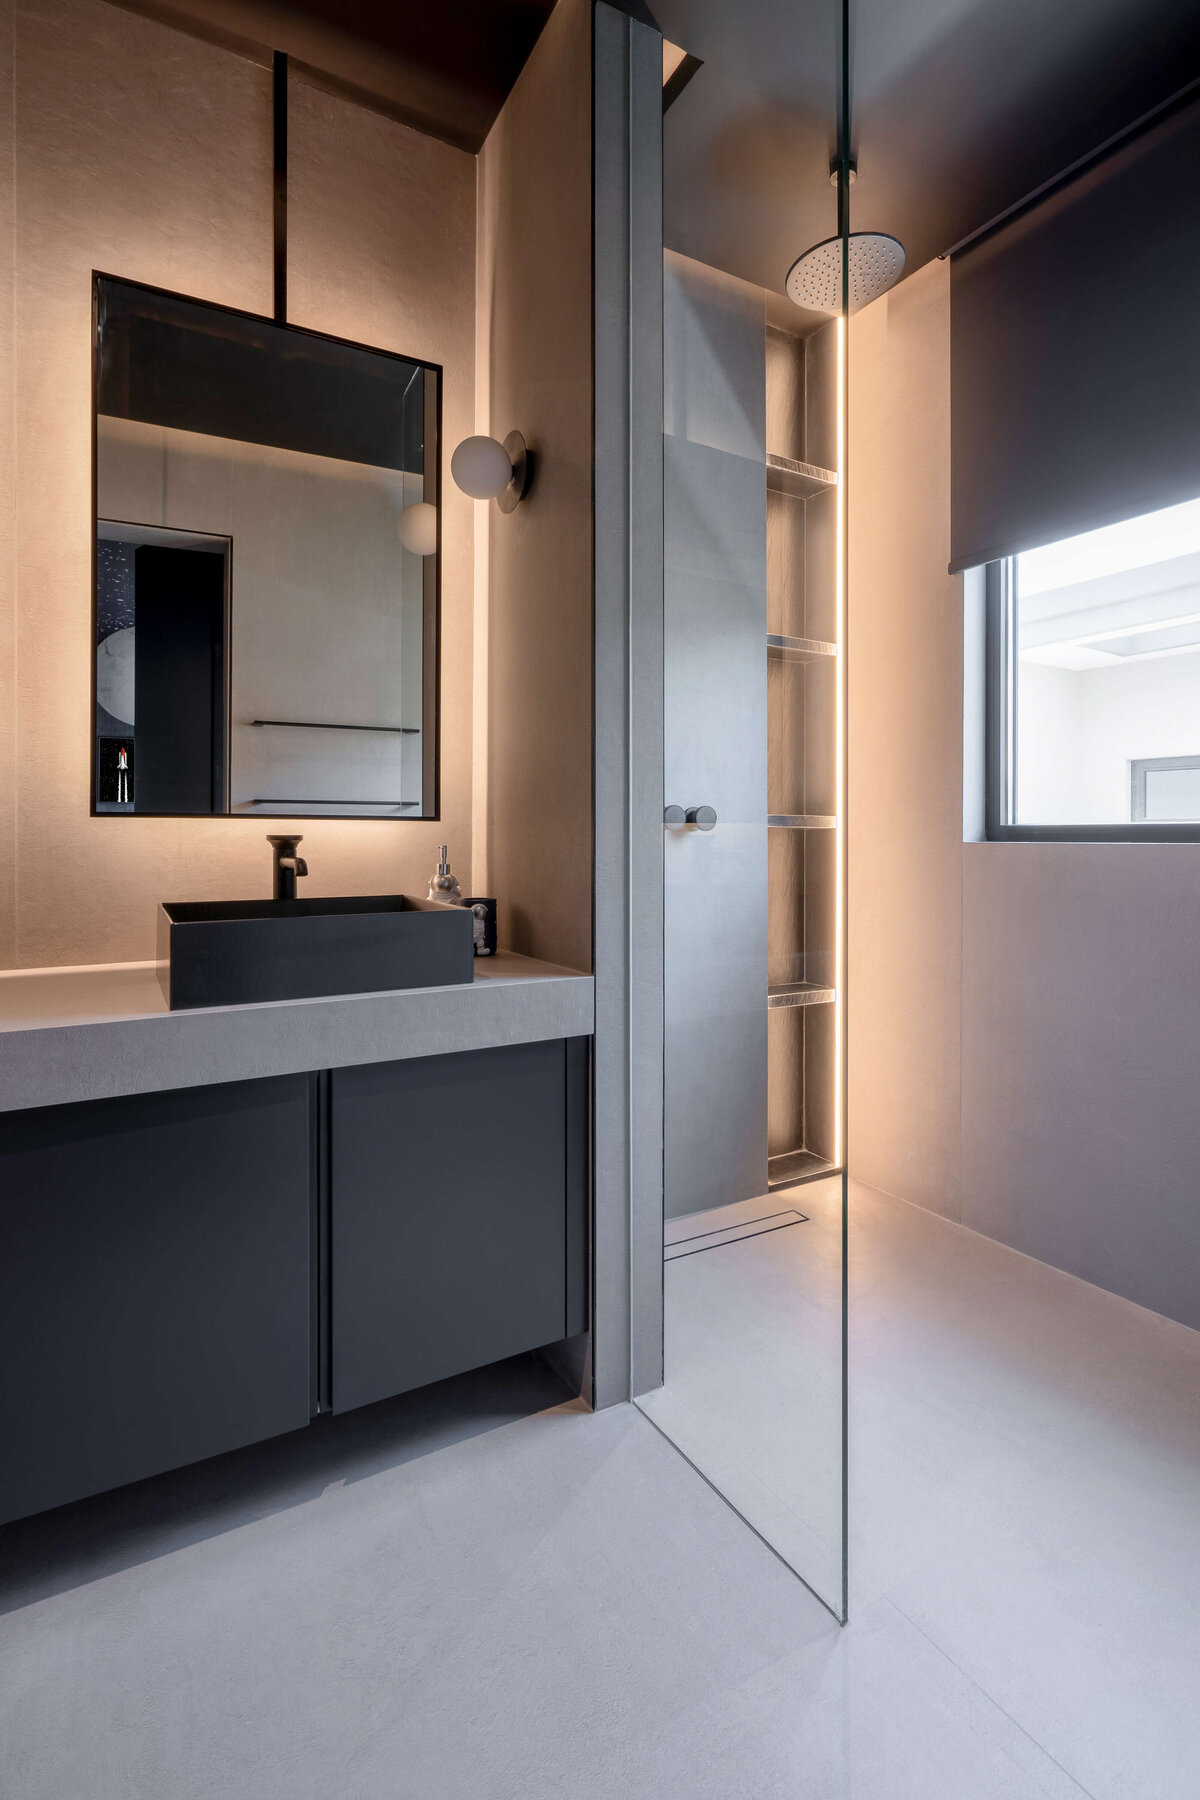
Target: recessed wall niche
{"x": 803, "y": 779}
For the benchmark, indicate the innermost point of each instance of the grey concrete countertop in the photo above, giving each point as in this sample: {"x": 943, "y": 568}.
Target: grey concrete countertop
{"x": 89, "y": 1033}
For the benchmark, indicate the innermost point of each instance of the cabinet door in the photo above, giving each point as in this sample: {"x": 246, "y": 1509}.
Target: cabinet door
{"x": 457, "y": 1188}
{"x": 154, "y": 1284}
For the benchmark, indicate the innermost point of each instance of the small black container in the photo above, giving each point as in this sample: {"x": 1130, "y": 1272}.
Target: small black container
{"x": 485, "y": 925}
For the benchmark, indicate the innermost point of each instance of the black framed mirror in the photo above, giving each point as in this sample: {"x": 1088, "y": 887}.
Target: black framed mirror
{"x": 267, "y": 566}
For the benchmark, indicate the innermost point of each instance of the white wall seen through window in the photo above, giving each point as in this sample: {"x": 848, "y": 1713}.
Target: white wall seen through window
{"x": 1107, "y": 673}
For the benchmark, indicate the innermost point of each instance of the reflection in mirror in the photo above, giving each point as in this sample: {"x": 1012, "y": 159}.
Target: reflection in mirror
{"x": 267, "y": 567}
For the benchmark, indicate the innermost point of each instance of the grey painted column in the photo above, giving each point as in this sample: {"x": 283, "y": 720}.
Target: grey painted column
{"x": 627, "y": 1328}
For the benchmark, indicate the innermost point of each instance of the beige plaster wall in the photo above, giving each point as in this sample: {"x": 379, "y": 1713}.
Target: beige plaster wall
{"x": 145, "y": 153}
{"x": 904, "y": 769}
{"x": 381, "y": 230}
{"x": 535, "y": 295}
{"x": 1024, "y": 1019}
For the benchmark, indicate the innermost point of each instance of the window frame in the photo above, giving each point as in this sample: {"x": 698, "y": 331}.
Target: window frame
{"x": 1000, "y": 740}
{"x": 1141, "y": 766}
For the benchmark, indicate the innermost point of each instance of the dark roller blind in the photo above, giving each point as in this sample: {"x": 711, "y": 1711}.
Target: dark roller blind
{"x": 1075, "y": 354}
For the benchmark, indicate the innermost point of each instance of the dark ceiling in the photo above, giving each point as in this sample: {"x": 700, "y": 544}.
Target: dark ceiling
{"x": 445, "y": 66}
{"x": 959, "y": 108}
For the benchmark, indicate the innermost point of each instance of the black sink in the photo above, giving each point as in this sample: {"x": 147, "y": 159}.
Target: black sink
{"x": 237, "y": 952}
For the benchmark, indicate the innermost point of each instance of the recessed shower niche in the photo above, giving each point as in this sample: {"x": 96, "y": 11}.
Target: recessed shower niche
{"x": 803, "y": 757}
{"x": 265, "y": 642}
{"x": 754, "y": 714}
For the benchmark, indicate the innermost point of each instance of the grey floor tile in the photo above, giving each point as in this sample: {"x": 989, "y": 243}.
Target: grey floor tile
{"x": 753, "y": 1394}
{"x": 472, "y": 1622}
{"x": 1029, "y": 1492}
{"x": 872, "y": 1713}
{"x": 1024, "y": 1456}
{"x": 503, "y": 1603}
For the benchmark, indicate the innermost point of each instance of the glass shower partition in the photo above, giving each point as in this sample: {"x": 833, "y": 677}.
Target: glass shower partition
{"x": 754, "y": 847}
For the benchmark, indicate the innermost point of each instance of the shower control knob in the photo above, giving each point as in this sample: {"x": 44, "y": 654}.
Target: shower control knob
{"x": 702, "y": 817}
{"x": 674, "y": 818}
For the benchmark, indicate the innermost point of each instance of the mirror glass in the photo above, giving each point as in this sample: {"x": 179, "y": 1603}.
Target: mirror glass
{"x": 266, "y": 596}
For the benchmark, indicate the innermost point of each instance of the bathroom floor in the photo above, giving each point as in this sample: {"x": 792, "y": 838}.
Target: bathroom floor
{"x": 1024, "y": 1465}
{"x": 753, "y": 1394}
{"x": 482, "y": 1590}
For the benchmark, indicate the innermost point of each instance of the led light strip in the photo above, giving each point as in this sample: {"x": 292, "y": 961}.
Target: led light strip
{"x": 839, "y": 1010}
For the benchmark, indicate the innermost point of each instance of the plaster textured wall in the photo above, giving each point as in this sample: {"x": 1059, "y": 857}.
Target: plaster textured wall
{"x": 905, "y": 756}
{"x": 535, "y": 291}
{"x": 1024, "y": 1018}
{"x": 1080, "y": 1034}
{"x": 147, "y": 154}
{"x": 381, "y": 230}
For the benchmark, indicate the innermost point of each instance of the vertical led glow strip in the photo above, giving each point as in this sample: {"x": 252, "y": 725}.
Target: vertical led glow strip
{"x": 839, "y": 848}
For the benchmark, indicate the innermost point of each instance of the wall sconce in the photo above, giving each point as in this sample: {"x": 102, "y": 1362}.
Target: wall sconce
{"x": 488, "y": 470}
{"x": 417, "y": 528}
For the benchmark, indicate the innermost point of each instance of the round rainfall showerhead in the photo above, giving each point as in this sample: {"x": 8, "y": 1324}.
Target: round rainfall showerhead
{"x": 876, "y": 264}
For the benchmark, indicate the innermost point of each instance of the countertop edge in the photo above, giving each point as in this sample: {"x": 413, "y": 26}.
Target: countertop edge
{"x": 61, "y": 1063}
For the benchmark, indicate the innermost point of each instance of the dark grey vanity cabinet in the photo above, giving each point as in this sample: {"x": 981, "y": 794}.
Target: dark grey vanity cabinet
{"x": 155, "y": 1284}
{"x": 459, "y": 1213}
{"x": 180, "y": 1272}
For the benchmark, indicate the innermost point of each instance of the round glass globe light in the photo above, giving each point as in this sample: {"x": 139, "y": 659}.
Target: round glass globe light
{"x": 417, "y": 528}
{"x": 481, "y": 467}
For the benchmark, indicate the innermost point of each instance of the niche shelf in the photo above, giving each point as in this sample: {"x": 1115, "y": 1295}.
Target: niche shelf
{"x": 800, "y": 993}
{"x": 796, "y": 1166}
{"x": 329, "y": 725}
{"x": 798, "y": 480}
{"x": 797, "y": 649}
{"x": 803, "y": 673}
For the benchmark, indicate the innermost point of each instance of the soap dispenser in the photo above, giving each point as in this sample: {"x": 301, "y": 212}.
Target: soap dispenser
{"x": 444, "y": 885}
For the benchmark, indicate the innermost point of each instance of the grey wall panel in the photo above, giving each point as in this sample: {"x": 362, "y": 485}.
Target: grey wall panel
{"x": 715, "y": 688}
{"x": 627, "y": 223}
{"x": 154, "y": 1284}
{"x": 646, "y": 706}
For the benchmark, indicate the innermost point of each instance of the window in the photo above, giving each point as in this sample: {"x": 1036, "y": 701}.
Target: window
{"x": 1165, "y": 787}
{"x": 1094, "y": 684}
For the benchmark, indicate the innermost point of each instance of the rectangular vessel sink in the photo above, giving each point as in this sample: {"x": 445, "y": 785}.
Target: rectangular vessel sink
{"x": 237, "y": 952}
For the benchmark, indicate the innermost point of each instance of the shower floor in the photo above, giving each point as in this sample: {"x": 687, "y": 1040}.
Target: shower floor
{"x": 753, "y": 1394}
{"x": 1024, "y": 1454}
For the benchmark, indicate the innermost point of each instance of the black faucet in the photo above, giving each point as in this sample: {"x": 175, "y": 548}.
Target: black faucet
{"x": 286, "y": 867}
